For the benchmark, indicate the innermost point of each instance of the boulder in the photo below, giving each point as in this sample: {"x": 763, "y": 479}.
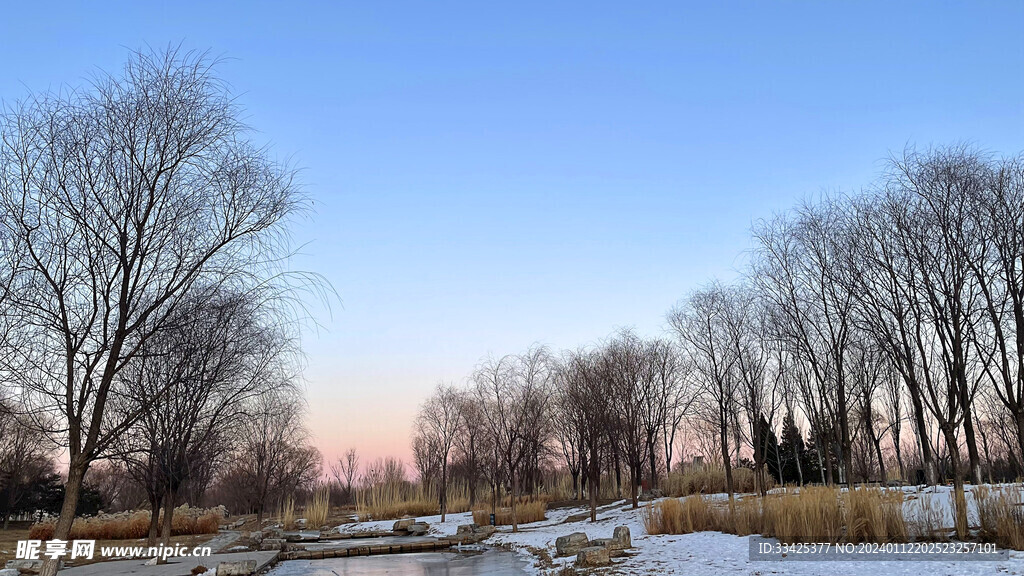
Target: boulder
{"x": 418, "y": 528}
{"x": 403, "y": 524}
{"x": 621, "y": 538}
{"x": 651, "y": 495}
{"x": 273, "y": 532}
{"x": 29, "y": 566}
{"x": 571, "y": 544}
{"x": 589, "y": 557}
{"x": 9, "y": 572}
{"x": 467, "y": 529}
{"x": 256, "y": 538}
{"x": 269, "y": 544}
{"x": 241, "y": 568}
{"x": 484, "y": 531}
{"x": 300, "y": 523}
{"x": 601, "y": 542}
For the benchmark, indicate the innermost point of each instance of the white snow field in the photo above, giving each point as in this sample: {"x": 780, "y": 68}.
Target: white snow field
{"x": 709, "y": 553}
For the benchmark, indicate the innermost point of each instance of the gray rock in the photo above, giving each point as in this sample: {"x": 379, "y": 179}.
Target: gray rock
{"x": 29, "y": 566}
{"x": 602, "y": 542}
{"x": 621, "y": 538}
{"x": 590, "y": 557}
{"x": 9, "y": 572}
{"x": 241, "y": 568}
{"x": 418, "y": 528}
{"x": 571, "y": 544}
{"x": 403, "y": 524}
{"x": 466, "y": 529}
{"x": 270, "y": 544}
{"x": 256, "y": 538}
{"x": 273, "y": 532}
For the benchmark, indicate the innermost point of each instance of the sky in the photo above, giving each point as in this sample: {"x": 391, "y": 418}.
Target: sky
{"x": 488, "y": 177}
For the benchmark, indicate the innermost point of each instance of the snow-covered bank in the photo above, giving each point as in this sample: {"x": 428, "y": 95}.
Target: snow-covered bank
{"x": 708, "y": 553}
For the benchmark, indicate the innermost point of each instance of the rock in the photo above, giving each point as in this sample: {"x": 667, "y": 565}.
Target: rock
{"x": 600, "y": 542}
{"x": 256, "y": 538}
{"x": 273, "y": 532}
{"x": 300, "y": 523}
{"x": 651, "y": 495}
{"x": 589, "y": 557}
{"x": 9, "y": 572}
{"x": 238, "y": 523}
{"x": 571, "y": 544}
{"x": 621, "y": 538}
{"x": 403, "y": 524}
{"x": 29, "y": 566}
{"x": 485, "y": 531}
{"x": 418, "y": 528}
{"x": 271, "y": 544}
{"x": 242, "y": 568}
{"x": 151, "y": 562}
{"x": 466, "y": 529}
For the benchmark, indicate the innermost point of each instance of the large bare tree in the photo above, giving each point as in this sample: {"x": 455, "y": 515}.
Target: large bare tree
{"x": 115, "y": 200}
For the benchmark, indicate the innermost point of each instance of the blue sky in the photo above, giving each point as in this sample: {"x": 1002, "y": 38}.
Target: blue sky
{"x": 489, "y": 177}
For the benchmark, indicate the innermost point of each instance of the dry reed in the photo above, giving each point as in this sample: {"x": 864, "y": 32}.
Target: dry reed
{"x": 526, "y": 512}
{"x": 1001, "y": 515}
{"x": 129, "y": 526}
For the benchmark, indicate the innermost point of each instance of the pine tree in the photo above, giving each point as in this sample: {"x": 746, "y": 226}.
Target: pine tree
{"x": 793, "y": 450}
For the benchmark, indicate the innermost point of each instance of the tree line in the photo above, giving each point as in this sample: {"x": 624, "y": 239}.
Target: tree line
{"x": 885, "y": 327}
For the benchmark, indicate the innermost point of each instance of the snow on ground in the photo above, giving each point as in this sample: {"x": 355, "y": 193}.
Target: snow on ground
{"x": 709, "y": 553}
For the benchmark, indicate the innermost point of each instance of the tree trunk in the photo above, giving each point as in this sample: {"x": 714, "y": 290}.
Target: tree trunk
{"x": 515, "y": 495}
{"x": 973, "y": 456}
{"x": 443, "y": 497}
{"x": 959, "y": 500}
{"x": 154, "y": 519}
{"x": 927, "y": 458}
{"x": 72, "y": 493}
{"x": 653, "y": 462}
{"x": 724, "y": 438}
{"x": 165, "y": 532}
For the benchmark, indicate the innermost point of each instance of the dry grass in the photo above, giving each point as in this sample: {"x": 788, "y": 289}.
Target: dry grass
{"x": 526, "y": 512}
{"x": 389, "y": 501}
{"x": 709, "y": 480}
{"x": 680, "y": 516}
{"x": 812, "y": 514}
{"x": 1001, "y": 515}
{"x": 318, "y": 508}
{"x": 926, "y": 522}
{"x": 286, "y": 514}
{"x": 129, "y": 526}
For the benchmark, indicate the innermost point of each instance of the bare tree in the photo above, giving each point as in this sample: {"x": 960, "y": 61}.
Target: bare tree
{"x": 346, "y": 470}
{"x": 439, "y": 420}
{"x": 584, "y": 387}
{"x": 514, "y": 393}
{"x": 701, "y": 325}
{"x": 117, "y": 200}
{"x": 273, "y": 456}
